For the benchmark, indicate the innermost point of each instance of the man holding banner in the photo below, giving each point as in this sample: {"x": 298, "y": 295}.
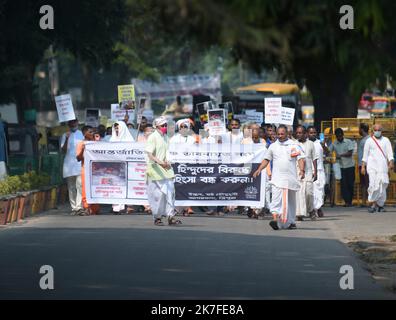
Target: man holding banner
{"x": 160, "y": 175}
{"x": 71, "y": 167}
{"x": 284, "y": 154}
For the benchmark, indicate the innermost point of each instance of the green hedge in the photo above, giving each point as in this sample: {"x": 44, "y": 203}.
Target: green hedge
{"x": 25, "y": 182}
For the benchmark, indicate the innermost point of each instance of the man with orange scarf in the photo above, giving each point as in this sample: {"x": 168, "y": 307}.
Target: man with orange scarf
{"x": 284, "y": 154}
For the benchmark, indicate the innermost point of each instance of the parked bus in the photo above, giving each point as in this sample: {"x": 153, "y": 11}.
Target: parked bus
{"x": 252, "y": 97}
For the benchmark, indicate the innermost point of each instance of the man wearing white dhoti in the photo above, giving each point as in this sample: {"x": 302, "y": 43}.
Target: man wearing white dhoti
{"x": 377, "y": 161}
{"x": 160, "y": 175}
{"x": 284, "y": 154}
{"x": 305, "y": 196}
{"x": 320, "y": 183}
{"x": 121, "y": 133}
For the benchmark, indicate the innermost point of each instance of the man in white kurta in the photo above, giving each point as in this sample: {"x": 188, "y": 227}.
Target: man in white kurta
{"x": 377, "y": 161}
{"x": 305, "y": 196}
{"x": 320, "y": 183}
{"x": 284, "y": 154}
{"x": 185, "y": 134}
{"x": 71, "y": 167}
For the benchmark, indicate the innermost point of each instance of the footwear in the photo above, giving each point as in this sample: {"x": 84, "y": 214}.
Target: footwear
{"x": 211, "y": 213}
{"x": 292, "y": 227}
{"x": 320, "y": 213}
{"x": 381, "y": 209}
{"x": 274, "y": 225}
{"x": 173, "y": 222}
{"x": 313, "y": 216}
{"x": 372, "y": 210}
{"x": 158, "y": 222}
{"x": 82, "y": 212}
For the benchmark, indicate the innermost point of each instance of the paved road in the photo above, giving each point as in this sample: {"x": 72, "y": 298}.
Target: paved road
{"x": 126, "y": 257}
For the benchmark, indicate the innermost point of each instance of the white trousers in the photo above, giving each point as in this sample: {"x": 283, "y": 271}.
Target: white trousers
{"x": 161, "y": 197}
{"x": 377, "y": 188}
{"x": 74, "y": 187}
{"x": 305, "y": 199}
{"x": 118, "y": 207}
{"x": 3, "y": 170}
{"x": 319, "y": 190}
{"x": 283, "y": 205}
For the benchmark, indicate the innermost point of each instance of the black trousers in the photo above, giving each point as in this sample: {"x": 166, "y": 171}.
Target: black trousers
{"x": 347, "y": 184}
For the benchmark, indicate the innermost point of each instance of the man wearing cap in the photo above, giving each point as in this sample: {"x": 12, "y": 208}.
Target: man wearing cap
{"x": 185, "y": 134}
{"x": 160, "y": 175}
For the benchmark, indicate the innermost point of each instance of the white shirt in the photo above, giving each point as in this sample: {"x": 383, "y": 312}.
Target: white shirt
{"x": 178, "y": 138}
{"x": 373, "y": 156}
{"x": 71, "y": 167}
{"x": 284, "y": 170}
{"x": 319, "y": 152}
{"x": 309, "y": 150}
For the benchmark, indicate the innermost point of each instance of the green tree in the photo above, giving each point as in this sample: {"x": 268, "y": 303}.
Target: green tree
{"x": 88, "y": 29}
{"x": 302, "y": 39}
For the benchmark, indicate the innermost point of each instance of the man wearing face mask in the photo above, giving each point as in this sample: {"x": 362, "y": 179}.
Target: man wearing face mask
{"x": 377, "y": 161}
{"x": 71, "y": 167}
{"x": 160, "y": 175}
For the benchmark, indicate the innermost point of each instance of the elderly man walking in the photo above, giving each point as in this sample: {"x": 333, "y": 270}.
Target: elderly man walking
{"x": 160, "y": 175}
{"x": 377, "y": 161}
{"x": 284, "y": 154}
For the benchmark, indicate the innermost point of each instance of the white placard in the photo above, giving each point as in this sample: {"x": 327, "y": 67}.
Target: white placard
{"x": 64, "y": 106}
{"x": 118, "y": 114}
{"x": 273, "y": 110}
{"x": 217, "y": 122}
{"x": 288, "y": 116}
{"x": 254, "y": 116}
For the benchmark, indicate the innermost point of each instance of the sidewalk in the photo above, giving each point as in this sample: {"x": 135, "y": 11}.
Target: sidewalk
{"x": 371, "y": 236}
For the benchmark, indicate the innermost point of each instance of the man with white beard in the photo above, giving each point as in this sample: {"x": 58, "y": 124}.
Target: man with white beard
{"x": 320, "y": 183}
{"x": 377, "y": 161}
{"x": 284, "y": 154}
{"x": 305, "y": 196}
{"x": 185, "y": 133}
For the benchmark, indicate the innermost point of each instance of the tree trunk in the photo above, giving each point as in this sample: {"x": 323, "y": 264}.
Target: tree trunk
{"x": 87, "y": 87}
{"x": 331, "y": 98}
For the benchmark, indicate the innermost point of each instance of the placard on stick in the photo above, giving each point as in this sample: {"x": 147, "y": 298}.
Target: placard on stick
{"x": 64, "y": 106}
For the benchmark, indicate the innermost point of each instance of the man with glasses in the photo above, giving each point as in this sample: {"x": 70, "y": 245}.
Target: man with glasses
{"x": 160, "y": 175}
